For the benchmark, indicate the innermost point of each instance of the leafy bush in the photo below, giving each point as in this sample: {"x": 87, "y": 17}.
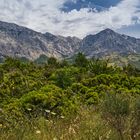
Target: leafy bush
{"x": 84, "y": 99}
{"x": 115, "y": 110}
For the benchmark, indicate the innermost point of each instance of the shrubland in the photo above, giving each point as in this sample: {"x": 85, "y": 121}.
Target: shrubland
{"x": 69, "y": 100}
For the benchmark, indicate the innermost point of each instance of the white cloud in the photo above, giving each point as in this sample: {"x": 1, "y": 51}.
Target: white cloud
{"x": 46, "y": 16}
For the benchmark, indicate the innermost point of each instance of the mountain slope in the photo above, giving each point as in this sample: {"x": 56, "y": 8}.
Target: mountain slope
{"x": 17, "y": 41}
{"x": 107, "y": 42}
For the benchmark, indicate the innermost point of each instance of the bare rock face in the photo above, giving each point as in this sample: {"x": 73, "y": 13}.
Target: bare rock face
{"x": 18, "y": 41}
{"x": 107, "y": 42}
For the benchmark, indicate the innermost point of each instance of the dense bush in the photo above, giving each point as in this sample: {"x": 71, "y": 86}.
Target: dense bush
{"x": 88, "y": 93}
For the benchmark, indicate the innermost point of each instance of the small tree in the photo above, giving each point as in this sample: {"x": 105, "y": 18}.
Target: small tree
{"x": 97, "y": 66}
{"x": 131, "y": 70}
{"x": 80, "y": 60}
{"x": 64, "y": 63}
{"x": 42, "y": 59}
{"x": 135, "y": 123}
{"x": 63, "y": 79}
{"x": 52, "y": 62}
{"x": 115, "y": 111}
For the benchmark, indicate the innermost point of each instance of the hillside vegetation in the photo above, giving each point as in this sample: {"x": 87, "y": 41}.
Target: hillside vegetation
{"x": 83, "y": 99}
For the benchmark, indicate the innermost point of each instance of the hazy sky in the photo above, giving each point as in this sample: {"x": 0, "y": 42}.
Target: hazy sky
{"x": 74, "y": 17}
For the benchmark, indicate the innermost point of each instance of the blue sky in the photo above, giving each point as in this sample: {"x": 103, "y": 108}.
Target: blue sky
{"x": 74, "y": 17}
{"x": 78, "y": 4}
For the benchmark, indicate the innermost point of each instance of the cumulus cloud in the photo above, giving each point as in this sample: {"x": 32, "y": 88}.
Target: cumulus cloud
{"x": 46, "y": 16}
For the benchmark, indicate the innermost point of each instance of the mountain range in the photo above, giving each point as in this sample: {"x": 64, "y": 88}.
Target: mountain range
{"x": 21, "y": 42}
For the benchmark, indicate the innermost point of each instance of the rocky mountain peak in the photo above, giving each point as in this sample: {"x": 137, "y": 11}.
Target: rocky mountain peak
{"x": 108, "y": 33}
{"x": 107, "y": 30}
{"x": 18, "y": 41}
{"x": 107, "y": 42}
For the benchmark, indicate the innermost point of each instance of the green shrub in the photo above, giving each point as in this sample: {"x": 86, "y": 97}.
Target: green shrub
{"x": 115, "y": 110}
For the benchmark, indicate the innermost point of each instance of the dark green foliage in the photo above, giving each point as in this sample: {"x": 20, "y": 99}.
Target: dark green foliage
{"x": 80, "y": 60}
{"x": 24, "y": 59}
{"x": 97, "y": 67}
{"x": 52, "y": 62}
{"x": 42, "y": 59}
{"x": 64, "y": 63}
{"x": 131, "y": 70}
{"x": 65, "y": 77}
